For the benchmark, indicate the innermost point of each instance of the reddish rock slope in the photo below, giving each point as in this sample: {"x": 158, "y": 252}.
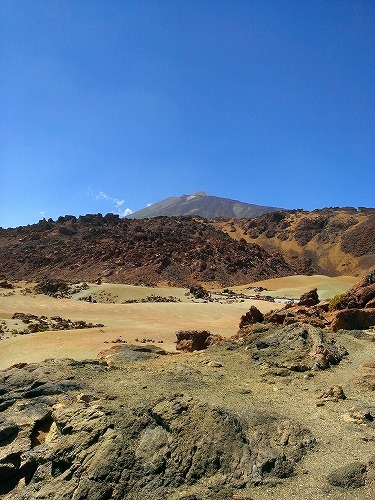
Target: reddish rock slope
{"x": 178, "y": 251}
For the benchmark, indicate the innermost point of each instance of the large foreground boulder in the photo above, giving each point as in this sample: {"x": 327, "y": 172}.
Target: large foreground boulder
{"x": 352, "y": 319}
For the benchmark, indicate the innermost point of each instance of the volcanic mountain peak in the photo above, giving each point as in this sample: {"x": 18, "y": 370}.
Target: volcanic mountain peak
{"x": 204, "y": 205}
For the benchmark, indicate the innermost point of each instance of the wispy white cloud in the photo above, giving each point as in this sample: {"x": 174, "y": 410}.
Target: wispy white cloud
{"x": 116, "y": 203}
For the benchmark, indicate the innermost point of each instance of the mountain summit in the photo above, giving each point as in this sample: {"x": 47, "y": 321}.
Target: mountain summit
{"x": 204, "y": 205}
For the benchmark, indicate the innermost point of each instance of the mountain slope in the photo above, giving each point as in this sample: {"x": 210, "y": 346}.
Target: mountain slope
{"x": 178, "y": 251}
{"x": 203, "y": 205}
{"x": 330, "y": 241}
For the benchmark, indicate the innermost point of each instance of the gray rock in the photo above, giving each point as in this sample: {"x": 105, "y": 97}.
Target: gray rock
{"x": 348, "y": 476}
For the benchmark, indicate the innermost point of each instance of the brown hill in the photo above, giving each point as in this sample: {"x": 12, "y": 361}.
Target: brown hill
{"x": 178, "y": 251}
{"x": 330, "y": 241}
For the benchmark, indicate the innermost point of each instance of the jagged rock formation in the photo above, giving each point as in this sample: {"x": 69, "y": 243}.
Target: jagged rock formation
{"x": 181, "y": 252}
{"x": 330, "y": 241}
{"x": 354, "y": 310}
{"x": 203, "y": 205}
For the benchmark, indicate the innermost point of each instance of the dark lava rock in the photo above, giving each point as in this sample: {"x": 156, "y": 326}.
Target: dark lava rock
{"x": 199, "y": 292}
{"x": 78, "y": 452}
{"x": 86, "y": 447}
{"x": 348, "y": 476}
{"x": 182, "y": 251}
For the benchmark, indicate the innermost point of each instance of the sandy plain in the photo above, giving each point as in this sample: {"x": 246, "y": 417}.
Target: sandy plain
{"x": 156, "y": 321}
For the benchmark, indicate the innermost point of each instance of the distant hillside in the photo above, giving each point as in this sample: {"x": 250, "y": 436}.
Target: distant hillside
{"x": 177, "y": 251}
{"x": 330, "y": 241}
{"x": 203, "y": 205}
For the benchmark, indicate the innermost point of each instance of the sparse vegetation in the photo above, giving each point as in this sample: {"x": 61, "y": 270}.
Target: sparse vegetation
{"x": 335, "y": 301}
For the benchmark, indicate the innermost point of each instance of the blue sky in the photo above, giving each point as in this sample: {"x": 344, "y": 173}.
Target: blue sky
{"x": 112, "y": 105}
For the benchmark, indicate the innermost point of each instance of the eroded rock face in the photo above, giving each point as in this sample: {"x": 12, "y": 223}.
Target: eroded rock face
{"x": 73, "y": 443}
{"x": 359, "y": 295}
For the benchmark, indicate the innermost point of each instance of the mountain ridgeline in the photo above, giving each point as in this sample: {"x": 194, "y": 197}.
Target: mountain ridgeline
{"x": 203, "y": 205}
{"x": 185, "y": 249}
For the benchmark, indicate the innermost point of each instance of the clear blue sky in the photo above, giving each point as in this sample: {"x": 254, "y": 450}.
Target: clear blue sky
{"x": 109, "y": 105}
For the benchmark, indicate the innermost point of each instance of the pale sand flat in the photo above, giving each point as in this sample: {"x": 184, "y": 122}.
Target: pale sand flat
{"x": 295, "y": 286}
{"x": 157, "y": 321}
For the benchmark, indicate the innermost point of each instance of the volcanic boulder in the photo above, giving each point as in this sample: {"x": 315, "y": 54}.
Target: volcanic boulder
{"x": 251, "y": 317}
{"x": 195, "y": 340}
{"x": 310, "y": 298}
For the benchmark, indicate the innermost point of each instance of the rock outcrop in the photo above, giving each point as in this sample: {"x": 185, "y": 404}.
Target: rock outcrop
{"x": 355, "y": 310}
{"x": 195, "y": 340}
{"x": 352, "y": 319}
{"x": 309, "y": 299}
{"x": 251, "y": 317}
{"x": 351, "y": 311}
{"x": 57, "y": 436}
{"x": 296, "y": 347}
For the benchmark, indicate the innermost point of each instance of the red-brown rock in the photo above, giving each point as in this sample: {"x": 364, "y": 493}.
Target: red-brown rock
{"x": 195, "y": 340}
{"x": 310, "y": 298}
{"x": 352, "y": 319}
{"x": 251, "y": 317}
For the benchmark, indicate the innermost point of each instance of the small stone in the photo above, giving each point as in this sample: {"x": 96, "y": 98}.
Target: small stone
{"x": 86, "y": 398}
{"x": 348, "y": 476}
{"x": 334, "y": 393}
{"x": 214, "y": 364}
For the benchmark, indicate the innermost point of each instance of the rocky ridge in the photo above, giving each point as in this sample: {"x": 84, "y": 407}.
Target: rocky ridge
{"x": 176, "y": 251}
{"x": 330, "y": 241}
